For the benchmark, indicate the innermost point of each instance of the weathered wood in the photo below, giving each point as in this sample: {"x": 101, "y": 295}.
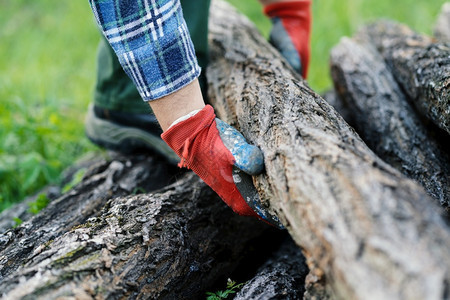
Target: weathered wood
{"x": 385, "y": 119}
{"x": 332, "y": 98}
{"x": 282, "y": 276}
{"x": 421, "y": 66}
{"x": 442, "y": 27}
{"x": 371, "y": 231}
{"x": 105, "y": 179}
{"x": 22, "y": 210}
{"x": 98, "y": 241}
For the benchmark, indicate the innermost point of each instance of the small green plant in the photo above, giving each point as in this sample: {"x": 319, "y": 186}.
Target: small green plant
{"x": 138, "y": 190}
{"x": 76, "y": 179}
{"x": 17, "y": 222}
{"x": 40, "y": 203}
{"x": 43, "y": 109}
{"x": 232, "y": 288}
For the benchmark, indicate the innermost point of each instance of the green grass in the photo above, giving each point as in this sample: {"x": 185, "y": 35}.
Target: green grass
{"x": 47, "y": 74}
{"x": 47, "y": 62}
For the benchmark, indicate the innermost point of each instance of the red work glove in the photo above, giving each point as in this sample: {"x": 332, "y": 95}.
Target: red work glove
{"x": 213, "y": 150}
{"x": 290, "y": 33}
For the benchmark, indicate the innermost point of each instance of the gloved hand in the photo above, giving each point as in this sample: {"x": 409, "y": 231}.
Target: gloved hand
{"x": 290, "y": 34}
{"x": 220, "y": 156}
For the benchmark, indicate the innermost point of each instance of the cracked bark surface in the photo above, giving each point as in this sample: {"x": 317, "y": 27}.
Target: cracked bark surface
{"x": 385, "y": 118}
{"x": 354, "y": 215}
{"x": 420, "y": 65}
{"x": 282, "y": 276}
{"x": 101, "y": 241}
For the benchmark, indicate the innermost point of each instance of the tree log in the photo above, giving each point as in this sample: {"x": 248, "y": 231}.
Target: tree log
{"x": 21, "y": 211}
{"x": 421, "y": 66}
{"x": 385, "y": 119}
{"x": 374, "y": 233}
{"x": 104, "y": 180}
{"x": 282, "y": 276}
{"x": 442, "y": 27}
{"x": 354, "y": 215}
{"x": 332, "y": 98}
{"x": 98, "y": 241}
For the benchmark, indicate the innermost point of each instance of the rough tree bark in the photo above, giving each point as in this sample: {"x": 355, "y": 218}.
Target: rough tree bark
{"x": 354, "y": 215}
{"x": 385, "y": 119}
{"x": 442, "y": 27}
{"x": 282, "y": 276}
{"x": 371, "y": 231}
{"x": 97, "y": 242}
{"x": 332, "y": 98}
{"x": 421, "y": 66}
{"x": 21, "y": 210}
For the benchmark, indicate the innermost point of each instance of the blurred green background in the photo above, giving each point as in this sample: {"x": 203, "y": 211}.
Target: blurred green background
{"x": 47, "y": 74}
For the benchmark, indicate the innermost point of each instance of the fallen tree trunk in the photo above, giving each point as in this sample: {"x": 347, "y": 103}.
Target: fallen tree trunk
{"x": 421, "y": 66}
{"x": 101, "y": 241}
{"x": 21, "y": 212}
{"x": 282, "y": 276}
{"x": 332, "y": 98}
{"x": 354, "y": 215}
{"x": 104, "y": 180}
{"x": 385, "y": 119}
{"x": 442, "y": 27}
{"x": 371, "y": 231}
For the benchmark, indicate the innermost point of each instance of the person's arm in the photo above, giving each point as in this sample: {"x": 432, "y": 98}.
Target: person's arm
{"x": 152, "y": 43}
{"x": 178, "y": 104}
{"x": 155, "y": 50}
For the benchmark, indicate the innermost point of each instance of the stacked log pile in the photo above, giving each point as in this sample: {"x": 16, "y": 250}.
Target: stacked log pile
{"x": 380, "y": 75}
{"x": 354, "y": 215}
{"x": 136, "y": 228}
{"x": 100, "y": 240}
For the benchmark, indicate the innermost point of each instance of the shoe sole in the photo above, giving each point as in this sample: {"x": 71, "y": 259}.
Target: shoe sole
{"x": 124, "y": 139}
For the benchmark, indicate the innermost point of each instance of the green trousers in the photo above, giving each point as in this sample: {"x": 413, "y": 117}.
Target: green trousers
{"x": 114, "y": 90}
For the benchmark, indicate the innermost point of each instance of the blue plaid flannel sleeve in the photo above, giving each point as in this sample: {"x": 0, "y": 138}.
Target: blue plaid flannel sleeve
{"x": 152, "y": 42}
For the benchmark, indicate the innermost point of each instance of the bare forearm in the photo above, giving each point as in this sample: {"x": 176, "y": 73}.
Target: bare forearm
{"x": 177, "y": 104}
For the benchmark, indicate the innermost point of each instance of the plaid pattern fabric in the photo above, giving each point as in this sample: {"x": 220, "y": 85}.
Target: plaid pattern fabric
{"x": 152, "y": 42}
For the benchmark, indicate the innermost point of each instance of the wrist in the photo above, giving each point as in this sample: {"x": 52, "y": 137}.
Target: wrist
{"x": 176, "y": 105}
{"x": 184, "y": 118}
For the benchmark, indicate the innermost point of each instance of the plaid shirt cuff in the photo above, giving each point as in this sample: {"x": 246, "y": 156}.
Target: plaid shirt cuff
{"x": 152, "y": 42}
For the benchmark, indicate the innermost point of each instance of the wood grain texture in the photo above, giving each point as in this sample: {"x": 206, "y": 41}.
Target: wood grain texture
{"x": 373, "y": 233}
